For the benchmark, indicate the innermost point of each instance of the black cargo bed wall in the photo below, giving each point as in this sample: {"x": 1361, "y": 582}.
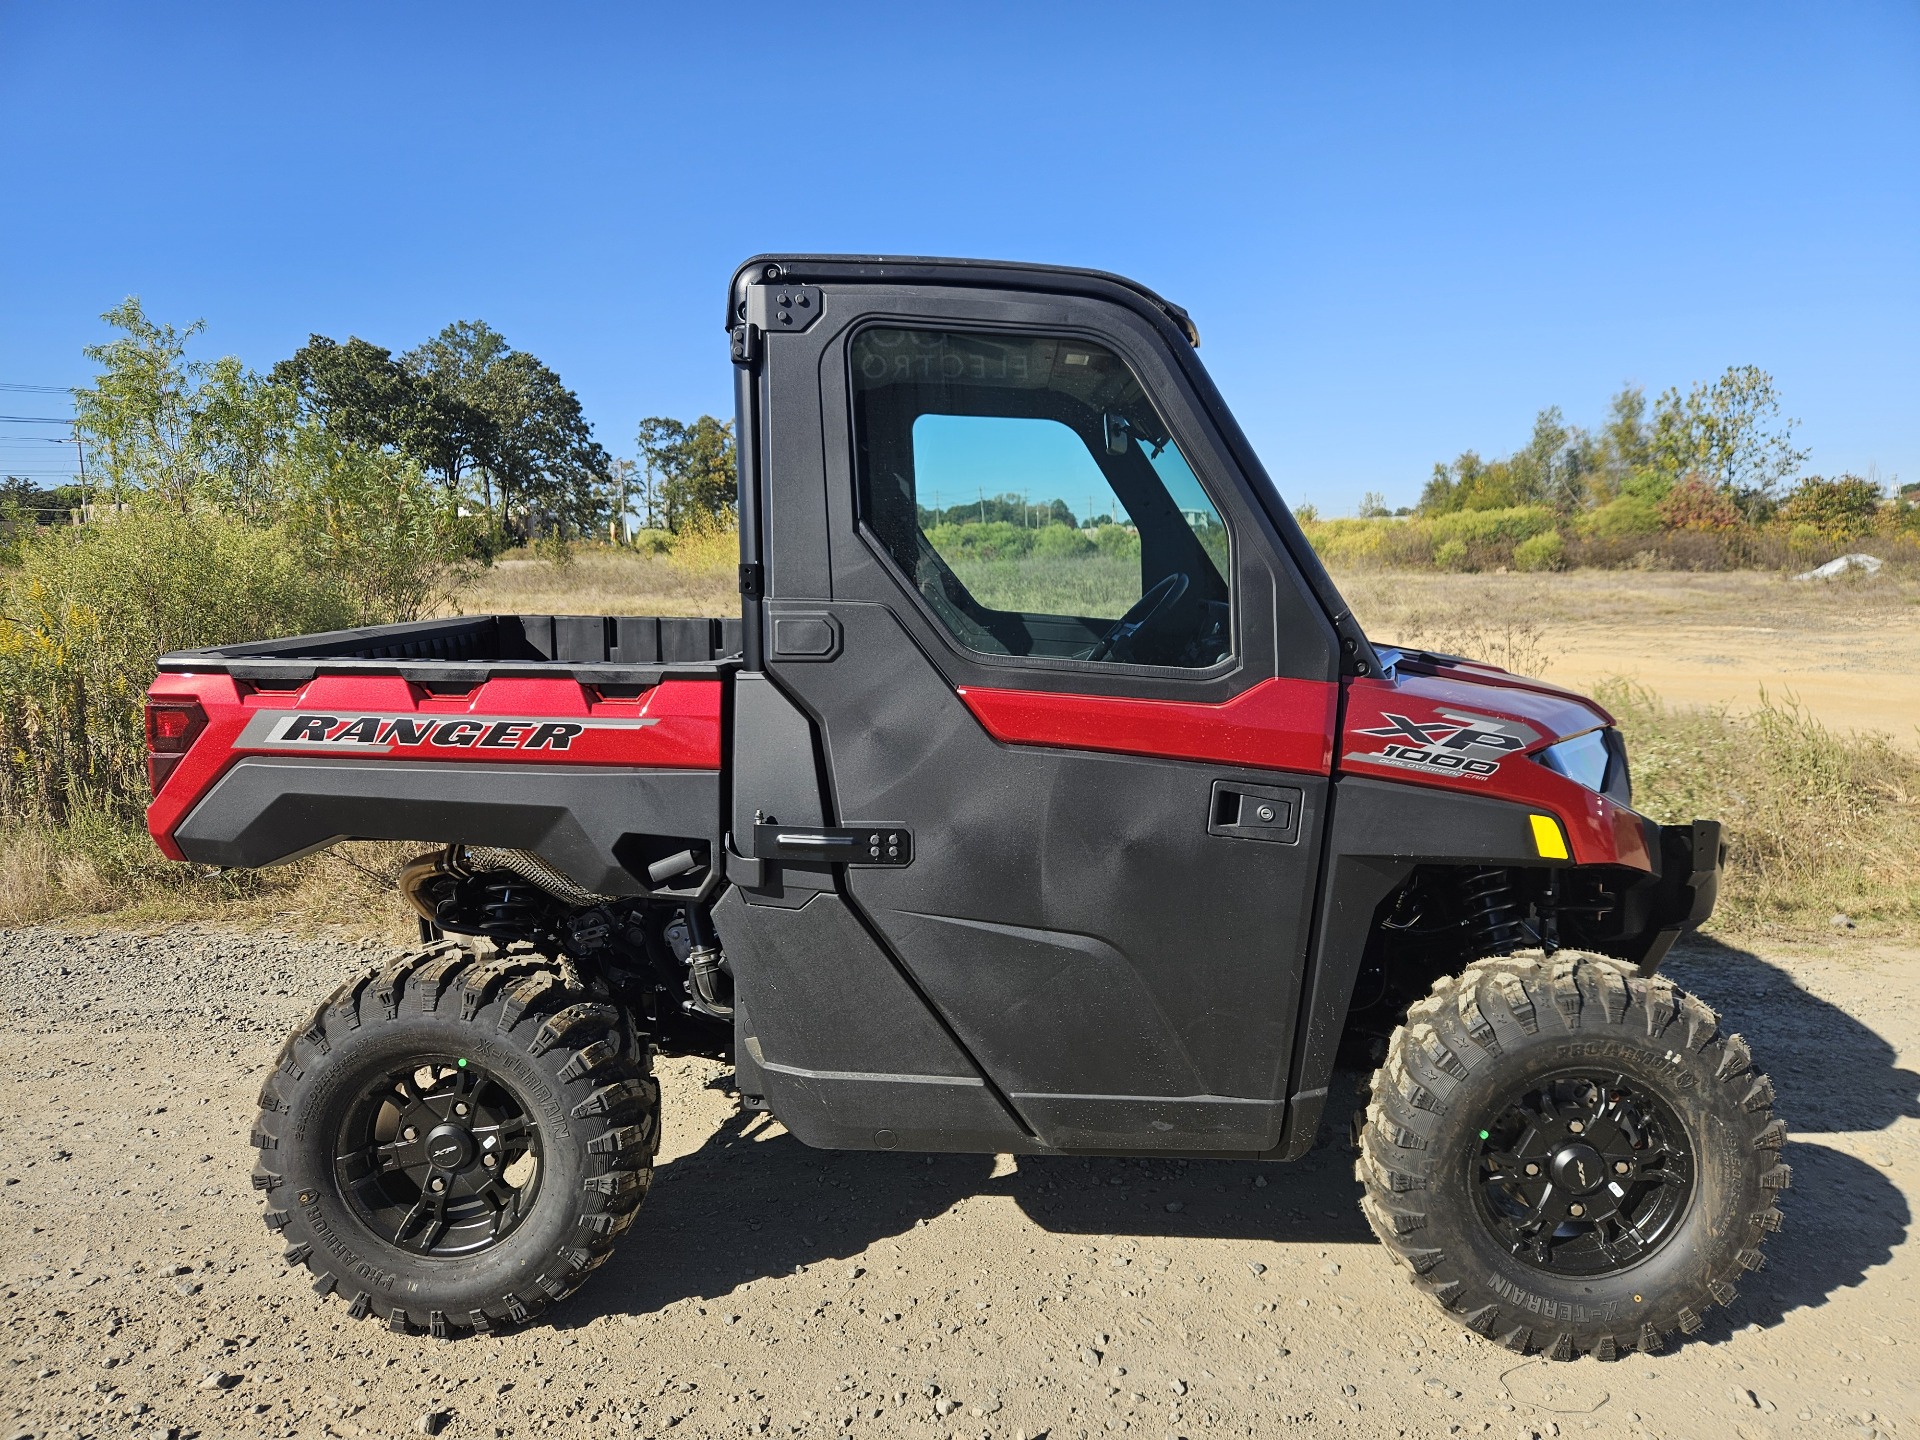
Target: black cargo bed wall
{"x": 521, "y": 639}
{"x": 617, "y": 639}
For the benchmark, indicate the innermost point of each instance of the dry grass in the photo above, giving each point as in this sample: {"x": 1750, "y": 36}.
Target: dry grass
{"x": 1818, "y": 824}
{"x": 699, "y": 576}
{"x": 1477, "y": 620}
{"x": 97, "y": 875}
{"x": 1384, "y": 600}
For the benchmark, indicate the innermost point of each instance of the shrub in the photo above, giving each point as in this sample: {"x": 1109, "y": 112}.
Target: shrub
{"x": 1837, "y": 510}
{"x": 1541, "y": 552}
{"x": 92, "y": 607}
{"x": 1626, "y": 518}
{"x": 704, "y": 544}
{"x": 1353, "y": 543}
{"x": 1693, "y": 504}
{"x": 1451, "y": 555}
{"x": 1119, "y": 542}
{"x": 1492, "y": 530}
{"x": 995, "y": 540}
{"x": 1062, "y": 542}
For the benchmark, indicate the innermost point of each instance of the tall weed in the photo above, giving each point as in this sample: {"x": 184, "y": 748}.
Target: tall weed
{"x": 1818, "y": 824}
{"x": 87, "y": 613}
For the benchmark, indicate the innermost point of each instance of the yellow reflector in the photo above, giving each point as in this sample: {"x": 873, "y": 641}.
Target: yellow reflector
{"x": 1547, "y": 838}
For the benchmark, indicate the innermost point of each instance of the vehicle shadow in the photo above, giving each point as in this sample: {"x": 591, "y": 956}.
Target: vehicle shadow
{"x": 1809, "y": 1260}
{"x": 1830, "y": 1070}
{"x": 753, "y": 1203}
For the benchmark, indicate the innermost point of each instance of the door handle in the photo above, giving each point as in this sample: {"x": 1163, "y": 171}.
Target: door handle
{"x": 1255, "y": 812}
{"x": 883, "y": 845}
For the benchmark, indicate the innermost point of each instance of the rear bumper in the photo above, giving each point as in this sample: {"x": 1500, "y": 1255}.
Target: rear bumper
{"x": 1677, "y": 896}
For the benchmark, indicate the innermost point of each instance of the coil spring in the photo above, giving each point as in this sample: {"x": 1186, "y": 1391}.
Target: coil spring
{"x": 1493, "y": 912}
{"x": 511, "y": 908}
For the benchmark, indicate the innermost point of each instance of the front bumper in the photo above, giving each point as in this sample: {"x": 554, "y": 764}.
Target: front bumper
{"x": 1676, "y": 897}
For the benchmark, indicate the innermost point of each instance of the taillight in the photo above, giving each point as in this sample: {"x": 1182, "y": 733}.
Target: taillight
{"x": 172, "y": 727}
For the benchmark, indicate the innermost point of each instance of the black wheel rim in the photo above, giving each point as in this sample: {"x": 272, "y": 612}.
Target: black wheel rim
{"x": 439, "y": 1158}
{"x": 1584, "y": 1174}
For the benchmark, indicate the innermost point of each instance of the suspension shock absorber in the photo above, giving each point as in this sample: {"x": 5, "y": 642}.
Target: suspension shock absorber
{"x": 1493, "y": 913}
{"x": 510, "y": 907}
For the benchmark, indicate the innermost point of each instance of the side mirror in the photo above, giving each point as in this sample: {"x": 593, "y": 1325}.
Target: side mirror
{"x": 1119, "y": 433}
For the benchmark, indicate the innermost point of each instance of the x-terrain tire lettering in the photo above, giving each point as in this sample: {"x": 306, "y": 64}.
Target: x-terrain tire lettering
{"x": 454, "y": 1141}
{"x": 1570, "y": 1157}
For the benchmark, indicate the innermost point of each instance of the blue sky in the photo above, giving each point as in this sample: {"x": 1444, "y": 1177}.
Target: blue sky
{"x": 1402, "y": 229}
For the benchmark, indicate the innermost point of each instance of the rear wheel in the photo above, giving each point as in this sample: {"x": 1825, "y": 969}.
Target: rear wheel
{"x": 1571, "y": 1157}
{"x": 454, "y": 1142}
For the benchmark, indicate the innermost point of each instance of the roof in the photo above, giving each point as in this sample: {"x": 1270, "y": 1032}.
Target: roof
{"x": 997, "y": 274}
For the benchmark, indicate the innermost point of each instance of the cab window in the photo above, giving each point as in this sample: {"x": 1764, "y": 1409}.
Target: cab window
{"x": 1025, "y": 487}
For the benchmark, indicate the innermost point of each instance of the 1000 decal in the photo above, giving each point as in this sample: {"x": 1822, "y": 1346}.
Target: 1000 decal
{"x": 1447, "y": 744}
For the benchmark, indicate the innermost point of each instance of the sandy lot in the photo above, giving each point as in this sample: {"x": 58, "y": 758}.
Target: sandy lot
{"x": 770, "y": 1289}
{"x": 1848, "y": 650}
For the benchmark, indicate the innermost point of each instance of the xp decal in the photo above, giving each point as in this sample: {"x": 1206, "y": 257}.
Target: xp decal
{"x": 1459, "y": 743}
{"x": 375, "y": 734}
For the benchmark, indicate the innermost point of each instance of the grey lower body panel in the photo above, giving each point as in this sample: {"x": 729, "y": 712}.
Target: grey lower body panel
{"x": 269, "y": 810}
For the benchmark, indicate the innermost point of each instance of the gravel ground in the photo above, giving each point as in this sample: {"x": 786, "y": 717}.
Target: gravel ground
{"x": 772, "y": 1289}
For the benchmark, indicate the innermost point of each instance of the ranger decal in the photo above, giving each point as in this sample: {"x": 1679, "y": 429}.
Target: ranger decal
{"x": 366, "y": 734}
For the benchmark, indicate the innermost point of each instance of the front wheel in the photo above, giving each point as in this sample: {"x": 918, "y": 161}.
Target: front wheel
{"x": 1569, "y": 1156}
{"x": 453, "y": 1142}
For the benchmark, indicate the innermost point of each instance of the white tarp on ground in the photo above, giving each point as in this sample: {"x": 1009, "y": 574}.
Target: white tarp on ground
{"x": 1840, "y": 565}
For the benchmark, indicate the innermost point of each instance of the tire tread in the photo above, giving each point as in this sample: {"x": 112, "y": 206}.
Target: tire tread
{"x": 1470, "y": 1020}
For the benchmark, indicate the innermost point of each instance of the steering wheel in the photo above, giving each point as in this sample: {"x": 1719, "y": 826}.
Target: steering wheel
{"x": 1162, "y": 594}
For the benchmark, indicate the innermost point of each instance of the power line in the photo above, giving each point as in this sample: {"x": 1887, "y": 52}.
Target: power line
{"x": 37, "y": 389}
{"x": 37, "y": 419}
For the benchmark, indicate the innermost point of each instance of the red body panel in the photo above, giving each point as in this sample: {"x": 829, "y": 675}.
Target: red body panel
{"x": 1463, "y": 727}
{"x": 674, "y": 725}
{"x": 1276, "y": 725}
{"x": 1476, "y": 729}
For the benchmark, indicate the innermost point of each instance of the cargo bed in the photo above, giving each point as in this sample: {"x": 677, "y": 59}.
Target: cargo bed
{"x": 478, "y": 647}
{"x": 591, "y": 741}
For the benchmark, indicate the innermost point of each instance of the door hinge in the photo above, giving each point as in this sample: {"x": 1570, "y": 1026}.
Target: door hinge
{"x": 773, "y": 309}
{"x": 834, "y": 844}
{"x": 753, "y": 580}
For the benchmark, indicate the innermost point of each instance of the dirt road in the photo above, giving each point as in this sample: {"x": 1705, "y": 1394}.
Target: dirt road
{"x": 772, "y": 1289}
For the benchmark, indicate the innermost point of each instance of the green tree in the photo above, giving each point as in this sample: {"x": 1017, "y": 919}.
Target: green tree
{"x": 1729, "y": 433}
{"x": 694, "y": 469}
{"x": 211, "y": 436}
{"x": 161, "y": 425}
{"x": 514, "y": 426}
{"x": 542, "y": 459}
{"x": 367, "y": 398}
{"x": 1624, "y": 448}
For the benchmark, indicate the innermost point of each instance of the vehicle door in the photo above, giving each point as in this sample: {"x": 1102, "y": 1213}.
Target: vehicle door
{"x": 1054, "y": 652}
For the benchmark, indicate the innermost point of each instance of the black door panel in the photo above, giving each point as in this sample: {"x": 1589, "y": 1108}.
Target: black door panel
{"x": 1085, "y": 936}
